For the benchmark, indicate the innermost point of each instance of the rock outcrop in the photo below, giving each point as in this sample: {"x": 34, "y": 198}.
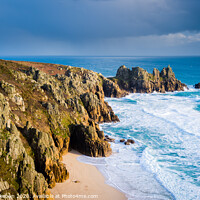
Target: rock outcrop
{"x": 87, "y": 140}
{"x": 46, "y": 155}
{"x": 111, "y": 89}
{"x": 79, "y": 91}
{"x": 13, "y": 95}
{"x": 197, "y": 86}
{"x": 140, "y": 81}
{"x": 97, "y": 109}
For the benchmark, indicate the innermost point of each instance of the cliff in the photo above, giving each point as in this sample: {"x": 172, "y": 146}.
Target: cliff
{"x": 139, "y": 80}
{"x": 45, "y": 110}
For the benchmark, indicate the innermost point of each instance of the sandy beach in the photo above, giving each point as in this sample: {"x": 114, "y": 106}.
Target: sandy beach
{"x": 85, "y": 182}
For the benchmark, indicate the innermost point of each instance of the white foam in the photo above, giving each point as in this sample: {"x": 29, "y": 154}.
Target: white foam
{"x": 123, "y": 171}
{"x": 183, "y": 190}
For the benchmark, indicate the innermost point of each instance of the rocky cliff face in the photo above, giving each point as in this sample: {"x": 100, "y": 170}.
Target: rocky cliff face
{"x": 42, "y": 116}
{"x": 46, "y": 155}
{"x": 17, "y": 172}
{"x": 139, "y": 80}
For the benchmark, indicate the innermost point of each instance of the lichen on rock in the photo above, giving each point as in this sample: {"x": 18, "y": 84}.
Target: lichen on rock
{"x": 18, "y": 174}
{"x": 46, "y": 155}
{"x": 12, "y": 94}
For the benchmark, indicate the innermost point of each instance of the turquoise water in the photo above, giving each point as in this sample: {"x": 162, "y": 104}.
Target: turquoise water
{"x": 166, "y": 128}
{"x": 164, "y": 163}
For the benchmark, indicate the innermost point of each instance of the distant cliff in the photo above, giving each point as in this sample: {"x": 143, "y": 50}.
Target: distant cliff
{"x": 45, "y": 110}
{"x": 139, "y": 80}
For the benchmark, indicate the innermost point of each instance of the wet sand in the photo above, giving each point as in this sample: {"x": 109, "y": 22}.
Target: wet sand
{"x": 85, "y": 182}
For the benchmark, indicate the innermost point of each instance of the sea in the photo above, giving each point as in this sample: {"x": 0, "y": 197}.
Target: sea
{"x": 164, "y": 162}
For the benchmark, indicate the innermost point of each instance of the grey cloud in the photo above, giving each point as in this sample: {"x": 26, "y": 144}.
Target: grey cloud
{"x": 78, "y": 21}
{"x": 101, "y": 19}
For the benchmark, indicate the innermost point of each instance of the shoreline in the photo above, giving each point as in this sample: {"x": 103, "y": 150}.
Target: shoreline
{"x": 85, "y": 182}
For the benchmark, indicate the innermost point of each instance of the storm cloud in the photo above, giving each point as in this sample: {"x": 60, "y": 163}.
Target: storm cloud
{"x": 76, "y": 26}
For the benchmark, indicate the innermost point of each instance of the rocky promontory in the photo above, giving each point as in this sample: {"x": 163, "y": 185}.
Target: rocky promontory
{"x": 140, "y": 81}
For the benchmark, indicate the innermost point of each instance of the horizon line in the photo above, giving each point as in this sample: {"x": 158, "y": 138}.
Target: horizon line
{"x": 99, "y": 56}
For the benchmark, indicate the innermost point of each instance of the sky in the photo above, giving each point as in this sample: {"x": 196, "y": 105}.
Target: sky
{"x": 100, "y": 27}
